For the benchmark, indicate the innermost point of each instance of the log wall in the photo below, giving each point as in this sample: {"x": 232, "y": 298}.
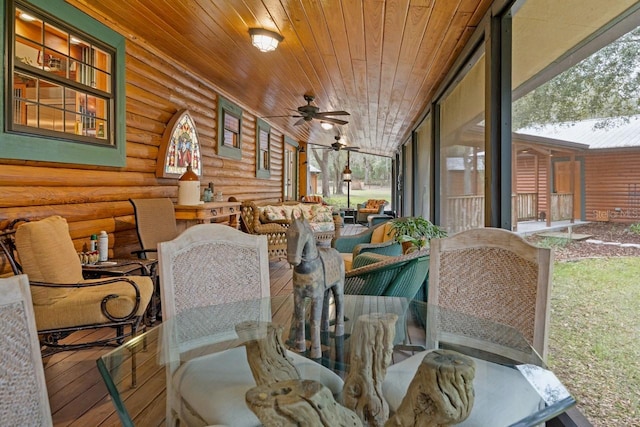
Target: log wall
{"x": 612, "y": 182}
{"x": 95, "y": 198}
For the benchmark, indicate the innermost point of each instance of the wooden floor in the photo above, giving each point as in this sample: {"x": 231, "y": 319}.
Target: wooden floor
{"x": 77, "y": 394}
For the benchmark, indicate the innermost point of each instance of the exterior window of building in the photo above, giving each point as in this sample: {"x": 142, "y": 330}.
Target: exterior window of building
{"x": 62, "y": 81}
{"x": 263, "y": 150}
{"x": 65, "y": 76}
{"x": 230, "y": 129}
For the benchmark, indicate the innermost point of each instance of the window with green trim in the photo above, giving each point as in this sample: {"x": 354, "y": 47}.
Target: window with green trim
{"x": 263, "y": 149}
{"x": 229, "y": 129}
{"x": 64, "y": 97}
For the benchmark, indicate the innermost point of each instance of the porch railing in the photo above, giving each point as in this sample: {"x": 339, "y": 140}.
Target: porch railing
{"x": 465, "y": 212}
{"x": 527, "y": 206}
{"x": 561, "y": 206}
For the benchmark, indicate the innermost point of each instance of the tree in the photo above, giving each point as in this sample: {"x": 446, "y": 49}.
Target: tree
{"x": 323, "y": 165}
{"x": 605, "y": 85}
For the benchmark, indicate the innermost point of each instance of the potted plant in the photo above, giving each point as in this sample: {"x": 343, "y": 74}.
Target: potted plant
{"x": 414, "y": 233}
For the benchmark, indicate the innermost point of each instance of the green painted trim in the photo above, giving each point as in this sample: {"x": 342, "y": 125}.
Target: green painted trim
{"x": 32, "y": 147}
{"x": 227, "y": 107}
{"x": 290, "y": 141}
{"x": 296, "y": 170}
{"x": 261, "y": 172}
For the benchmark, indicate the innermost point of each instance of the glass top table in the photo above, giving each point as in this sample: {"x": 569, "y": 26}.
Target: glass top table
{"x": 136, "y": 372}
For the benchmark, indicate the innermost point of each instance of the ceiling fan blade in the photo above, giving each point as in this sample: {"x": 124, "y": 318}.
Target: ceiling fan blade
{"x": 270, "y": 117}
{"x": 299, "y": 122}
{"x": 332, "y": 113}
{"x": 332, "y": 120}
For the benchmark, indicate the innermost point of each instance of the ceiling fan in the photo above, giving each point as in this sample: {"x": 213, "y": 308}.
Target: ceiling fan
{"x": 308, "y": 112}
{"x": 340, "y": 146}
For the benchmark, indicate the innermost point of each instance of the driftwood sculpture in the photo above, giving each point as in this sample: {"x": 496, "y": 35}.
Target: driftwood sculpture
{"x": 316, "y": 272}
{"x": 440, "y": 394}
{"x": 294, "y": 403}
{"x": 266, "y": 354}
{"x": 370, "y": 355}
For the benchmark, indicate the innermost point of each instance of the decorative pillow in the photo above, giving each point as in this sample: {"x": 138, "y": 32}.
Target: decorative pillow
{"x": 272, "y": 213}
{"x": 374, "y": 204}
{"x": 308, "y": 211}
{"x": 322, "y": 213}
{"x": 288, "y": 209}
{"x": 46, "y": 251}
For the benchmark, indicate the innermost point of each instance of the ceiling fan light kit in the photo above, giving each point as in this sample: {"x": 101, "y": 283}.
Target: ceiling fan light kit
{"x": 264, "y": 40}
{"x": 326, "y": 125}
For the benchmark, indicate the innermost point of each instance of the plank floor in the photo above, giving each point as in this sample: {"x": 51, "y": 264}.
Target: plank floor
{"x": 77, "y": 394}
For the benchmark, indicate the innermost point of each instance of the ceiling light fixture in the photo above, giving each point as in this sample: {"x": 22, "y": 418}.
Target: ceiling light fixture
{"x": 326, "y": 126}
{"x": 265, "y": 40}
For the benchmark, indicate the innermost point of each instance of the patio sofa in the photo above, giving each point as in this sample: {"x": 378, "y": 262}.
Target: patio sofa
{"x": 272, "y": 220}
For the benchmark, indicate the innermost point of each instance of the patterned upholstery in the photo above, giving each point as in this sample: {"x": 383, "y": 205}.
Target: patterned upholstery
{"x": 312, "y": 199}
{"x": 371, "y": 207}
{"x": 272, "y": 220}
{"x": 23, "y": 395}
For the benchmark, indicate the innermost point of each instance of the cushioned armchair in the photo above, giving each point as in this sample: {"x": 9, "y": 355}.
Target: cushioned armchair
{"x": 382, "y": 275}
{"x": 63, "y": 301}
{"x": 371, "y": 207}
{"x": 379, "y": 239}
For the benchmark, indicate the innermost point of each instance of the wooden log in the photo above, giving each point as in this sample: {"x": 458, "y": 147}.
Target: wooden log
{"x": 295, "y": 403}
{"x": 63, "y": 177}
{"x": 266, "y": 353}
{"x": 440, "y": 394}
{"x": 370, "y": 355}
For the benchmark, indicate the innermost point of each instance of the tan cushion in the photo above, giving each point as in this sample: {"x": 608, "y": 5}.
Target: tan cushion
{"x": 55, "y": 308}
{"x": 348, "y": 260}
{"x": 381, "y": 234}
{"x": 374, "y": 204}
{"x": 46, "y": 251}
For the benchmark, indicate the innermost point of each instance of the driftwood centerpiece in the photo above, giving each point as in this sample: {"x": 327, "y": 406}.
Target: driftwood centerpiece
{"x": 266, "y": 353}
{"x": 295, "y": 403}
{"x": 440, "y": 394}
{"x": 370, "y": 355}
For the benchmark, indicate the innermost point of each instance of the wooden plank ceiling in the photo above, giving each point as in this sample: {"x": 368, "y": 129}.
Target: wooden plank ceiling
{"x": 379, "y": 60}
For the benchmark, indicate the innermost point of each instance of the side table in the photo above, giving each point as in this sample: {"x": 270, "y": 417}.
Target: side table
{"x": 127, "y": 267}
{"x": 349, "y": 215}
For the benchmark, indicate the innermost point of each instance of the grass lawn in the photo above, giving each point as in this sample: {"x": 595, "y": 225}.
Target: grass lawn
{"x": 594, "y": 344}
{"x": 360, "y": 196}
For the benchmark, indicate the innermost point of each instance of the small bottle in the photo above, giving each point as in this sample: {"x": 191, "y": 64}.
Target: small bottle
{"x": 103, "y": 246}
{"x": 93, "y": 244}
{"x": 101, "y": 130}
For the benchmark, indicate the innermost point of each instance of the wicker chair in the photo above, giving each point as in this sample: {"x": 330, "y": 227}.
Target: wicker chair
{"x": 370, "y": 207}
{"x": 224, "y": 272}
{"x": 494, "y": 274}
{"x": 489, "y": 274}
{"x": 378, "y": 239}
{"x": 63, "y": 301}
{"x": 155, "y": 223}
{"x": 393, "y": 276}
{"x": 23, "y": 396}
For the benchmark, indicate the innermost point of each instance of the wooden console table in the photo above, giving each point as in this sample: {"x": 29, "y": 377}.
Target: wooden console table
{"x": 188, "y": 215}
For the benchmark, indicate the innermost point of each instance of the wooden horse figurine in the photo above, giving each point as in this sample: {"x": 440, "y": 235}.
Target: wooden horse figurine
{"x": 316, "y": 272}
